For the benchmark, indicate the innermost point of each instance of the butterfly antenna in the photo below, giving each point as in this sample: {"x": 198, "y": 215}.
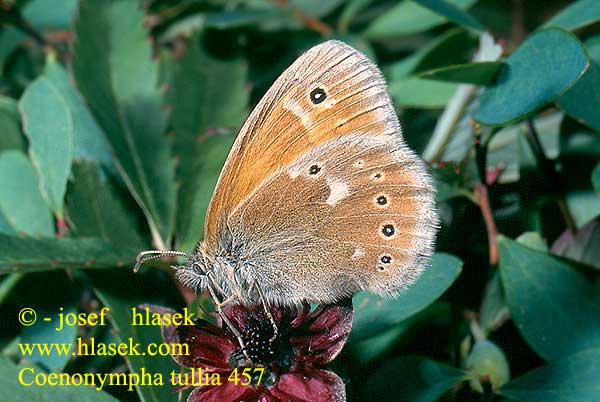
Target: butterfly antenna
{"x": 150, "y": 255}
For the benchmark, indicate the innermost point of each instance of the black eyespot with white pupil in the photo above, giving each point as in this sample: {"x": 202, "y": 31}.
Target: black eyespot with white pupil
{"x": 317, "y": 95}
{"x": 388, "y": 230}
{"x": 314, "y": 169}
{"x": 386, "y": 259}
{"x": 382, "y": 200}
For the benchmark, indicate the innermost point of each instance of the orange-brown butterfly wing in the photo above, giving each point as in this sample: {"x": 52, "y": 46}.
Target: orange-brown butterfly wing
{"x": 286, "y": 123}
{"x": 299, "y": 202}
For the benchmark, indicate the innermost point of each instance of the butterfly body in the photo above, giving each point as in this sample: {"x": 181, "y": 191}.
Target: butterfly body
{"x": 320, "y": 197}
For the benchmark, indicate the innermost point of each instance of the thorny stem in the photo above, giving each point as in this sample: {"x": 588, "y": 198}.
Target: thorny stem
{"x": 481, "y": 191}
{"x": 549, "y": 170}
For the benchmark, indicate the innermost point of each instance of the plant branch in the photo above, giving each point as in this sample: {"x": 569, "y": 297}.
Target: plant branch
{"x": 481, "y": 191}
{"x": 549, "y": 170}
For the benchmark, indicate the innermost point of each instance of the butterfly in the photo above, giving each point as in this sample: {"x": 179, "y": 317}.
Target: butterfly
{"x": 320, "y": 197}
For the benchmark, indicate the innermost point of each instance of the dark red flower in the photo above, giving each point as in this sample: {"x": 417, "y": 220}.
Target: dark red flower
{"x": 292, "y": 360}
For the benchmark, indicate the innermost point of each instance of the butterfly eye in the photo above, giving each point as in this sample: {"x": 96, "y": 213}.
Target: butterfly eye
{"x": 314, "y": 169}
{"x": 388, "y": 230}
{"x": 318, "y": 95}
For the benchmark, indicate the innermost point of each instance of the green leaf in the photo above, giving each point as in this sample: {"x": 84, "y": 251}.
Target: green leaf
{"x": 582, "y": 101}
{"x": 452, "y": 13}
{"x": 96, "y": 210}
{"x": 369, "y": 349}
{"x": 409, "y": 17}
{"x": 552, "y": 304}
{"x": 48, "y": 124}
{"x": 480, "y": 73}
{"x": 317, "y": 8}
{"x": 596, "y": 178}
{"x": 242, "y": 18}
{"x": 574, "y": 378}
{"x": 204, "y": 118}
{"x": 114, "y": 71}
{"x": 437, "y": 53}
{"x": 411, "y": 378}
{"x": 10, "y": 121}
{"x": 349, "y": 12}
{"x": 374, "y": 314}
{"x": 533, "y": 240}
{"x": 28, "y": 254}
{"x": 120, "y": 297}
{"x": 534, "y": 75}
{"x": 576, "y": 15}
{"x": 45, "y": 332}
{"x": 12, "y": 391}
{"x": 45, "y": 14}
{"x": 89, "y": 141}
{"x": 422, "y": 93}
{"x": 593, "y": 47}
{"x": 21, "y": 202}
{"x": 494, "y": 310}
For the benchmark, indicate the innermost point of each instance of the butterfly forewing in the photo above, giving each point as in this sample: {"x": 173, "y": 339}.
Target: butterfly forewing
{"x": 320, "y": 197}
{"x": 290, "y": 120}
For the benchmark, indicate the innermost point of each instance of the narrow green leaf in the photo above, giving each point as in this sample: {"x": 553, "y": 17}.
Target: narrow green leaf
{"x": 194, "y": 204}
{"x": 409, "y": 17}
{"x": 349, "y": 12}
{"x": 551, "y": 303}
{"x": 21, "y": 202}
{"x": 12, "y": 391}
{"x": 573, "y": 378}
{"x": 317, "y": 8}
{"x": 596, "y": 178}
{"x": 582, "y": 101}
{"x": 493, "y": 310}
{"x": 114, "y": 71}
{"x": 576, "y": 15}
{"x": 96, "y": 210}
{"x": 411, "y": 378}
{"x": 422, "y": 93}
{"x": 204, "y": 117}
{"x": 534, "y": 75}
{"x": 374, "y": 314}
{"x": 28, "y": 254}
{"x": 241, "y": 18}
{"x": 10, "y": 122}
{"x": 437, "y": 53}
{"x": 48, "y": 124}
{"x": 452, "y": 13}
{"x": 89, "y": 141}
{"x": 480, "y": 73}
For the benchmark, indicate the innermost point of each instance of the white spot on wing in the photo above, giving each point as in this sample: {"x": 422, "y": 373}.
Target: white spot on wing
{"x": 338, "y": 190}
{"x": 358, "y": 252}
{"x": 297, "y": 109}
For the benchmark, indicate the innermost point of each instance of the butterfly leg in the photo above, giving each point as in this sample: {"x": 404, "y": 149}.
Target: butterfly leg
{"x": 219, "y": 304}
{"x": 265, "y": 306}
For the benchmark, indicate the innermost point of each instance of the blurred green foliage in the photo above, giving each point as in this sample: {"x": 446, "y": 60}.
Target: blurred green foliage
{"x": 116, "y": 117}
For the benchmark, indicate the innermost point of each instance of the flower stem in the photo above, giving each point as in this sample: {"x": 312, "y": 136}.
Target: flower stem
{"x": 481, "y": 191}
